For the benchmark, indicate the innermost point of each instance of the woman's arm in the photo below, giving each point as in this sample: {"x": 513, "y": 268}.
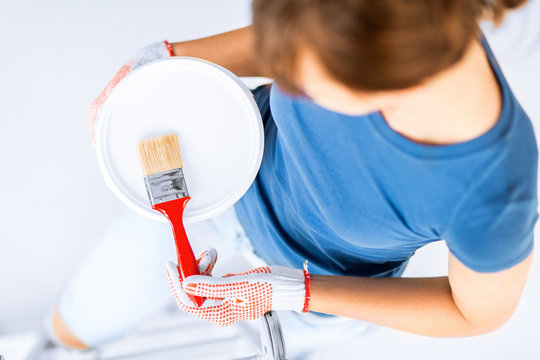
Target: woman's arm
{"x": 234, "y": 50}
{"x": 463, "y": 304}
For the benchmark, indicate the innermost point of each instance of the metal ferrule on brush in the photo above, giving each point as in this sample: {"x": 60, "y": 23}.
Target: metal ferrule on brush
{"x": 166, "y": 186}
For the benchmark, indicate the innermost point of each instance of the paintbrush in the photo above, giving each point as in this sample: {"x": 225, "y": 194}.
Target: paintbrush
{"x": 161, "y": 164}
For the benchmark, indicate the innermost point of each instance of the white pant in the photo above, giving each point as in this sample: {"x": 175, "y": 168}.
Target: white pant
{"x": 124, "y": 280}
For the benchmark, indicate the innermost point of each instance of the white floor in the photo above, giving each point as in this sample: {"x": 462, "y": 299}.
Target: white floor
{"x": 57, "y": 56}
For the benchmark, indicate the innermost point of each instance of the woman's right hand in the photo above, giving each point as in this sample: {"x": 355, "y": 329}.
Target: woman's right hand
{"x": 146, "y": 55}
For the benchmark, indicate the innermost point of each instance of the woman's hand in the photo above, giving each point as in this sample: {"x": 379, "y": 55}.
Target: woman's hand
{"x": 147, "y": 54}
{"x": 238, "y": 297}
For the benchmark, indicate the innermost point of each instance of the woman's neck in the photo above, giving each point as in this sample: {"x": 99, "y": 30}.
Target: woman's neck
{"x": 457, "y": 105}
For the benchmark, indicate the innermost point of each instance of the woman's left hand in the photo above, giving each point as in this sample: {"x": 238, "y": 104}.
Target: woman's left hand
{"x": 159, "y": 50}
{"x": 245, "y": 296}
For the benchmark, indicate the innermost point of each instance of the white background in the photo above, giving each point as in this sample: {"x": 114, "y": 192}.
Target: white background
{"x": 57, "y": 56}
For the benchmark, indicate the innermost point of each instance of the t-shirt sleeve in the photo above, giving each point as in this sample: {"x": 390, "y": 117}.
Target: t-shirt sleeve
{"x": 492, "y": 226}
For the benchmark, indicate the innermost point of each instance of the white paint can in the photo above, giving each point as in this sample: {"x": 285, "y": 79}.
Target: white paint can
{"x": 217, "y": 122}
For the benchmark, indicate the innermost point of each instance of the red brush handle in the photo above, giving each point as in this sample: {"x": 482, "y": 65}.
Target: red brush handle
{"x": 187, "y": 264}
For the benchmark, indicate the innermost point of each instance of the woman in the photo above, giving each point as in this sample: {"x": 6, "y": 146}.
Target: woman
{"x": 389, "y": 126}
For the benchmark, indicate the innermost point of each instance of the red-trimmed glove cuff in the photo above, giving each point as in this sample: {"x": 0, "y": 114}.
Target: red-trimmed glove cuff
{"x": 307, "y": 282}
{"x": 169, "y": 48}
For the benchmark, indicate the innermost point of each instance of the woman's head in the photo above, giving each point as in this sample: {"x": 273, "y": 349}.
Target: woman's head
{"x": 366, "y": 46}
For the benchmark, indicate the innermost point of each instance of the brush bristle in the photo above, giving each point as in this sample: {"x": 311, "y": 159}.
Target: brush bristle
{"x": 160, "y": 154}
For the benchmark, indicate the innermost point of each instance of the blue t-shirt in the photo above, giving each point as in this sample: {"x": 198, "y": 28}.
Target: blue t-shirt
{"x": 354, "y": 197}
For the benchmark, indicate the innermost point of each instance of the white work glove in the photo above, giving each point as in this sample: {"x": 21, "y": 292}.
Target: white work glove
{"x": 238, "y": 297}
{"x": 147, "y": 54}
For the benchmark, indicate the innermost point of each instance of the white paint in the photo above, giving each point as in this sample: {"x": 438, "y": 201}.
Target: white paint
{"x": 213, "y": 114}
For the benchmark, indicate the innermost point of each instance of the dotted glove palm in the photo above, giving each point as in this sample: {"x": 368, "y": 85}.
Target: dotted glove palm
{"x": 244, "y": 296}
{"x": 147, "y": 54}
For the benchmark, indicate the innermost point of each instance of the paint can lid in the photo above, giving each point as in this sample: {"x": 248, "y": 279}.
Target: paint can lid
{"x": 217, "y": 122}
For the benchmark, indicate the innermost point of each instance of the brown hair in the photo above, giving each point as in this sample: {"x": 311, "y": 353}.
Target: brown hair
{"x": 368, "y": 45}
